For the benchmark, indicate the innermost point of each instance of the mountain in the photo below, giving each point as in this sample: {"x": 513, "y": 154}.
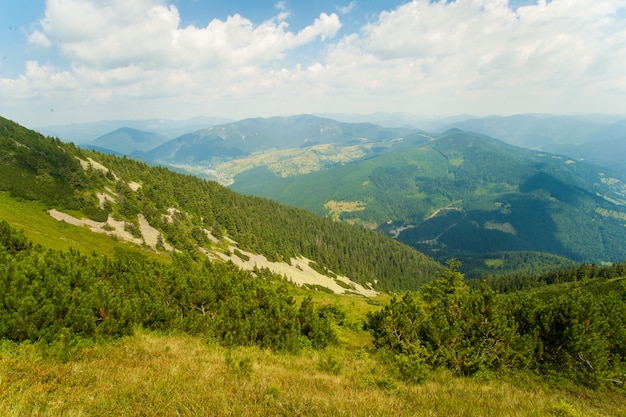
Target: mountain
{"x": 161, "y": 211}
{"x": 536, "y": 131}
{"x": 596, "y": 138}
{"x": 126, "y": 141}
{"x": 465, "y": 195}
{"x": 607, "y": 151}
{"x": 86, "y": 132}
{"x": 315, "y": 140}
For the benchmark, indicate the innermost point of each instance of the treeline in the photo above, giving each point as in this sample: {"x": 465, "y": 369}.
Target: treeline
{"x": 515, "y": 282}
{"x": 579, "y": 335}
{"x": 263, "y": 226}
{"x": 522, "y": 263}
{"x": 34, "y": 167}
{"x": 62, "y": 296}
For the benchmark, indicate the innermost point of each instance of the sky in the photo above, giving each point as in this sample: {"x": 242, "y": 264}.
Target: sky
{"x": 71, "y": 61}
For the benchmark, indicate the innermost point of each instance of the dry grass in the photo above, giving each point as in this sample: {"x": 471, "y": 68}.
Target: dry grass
{"x": 177, "y": 375}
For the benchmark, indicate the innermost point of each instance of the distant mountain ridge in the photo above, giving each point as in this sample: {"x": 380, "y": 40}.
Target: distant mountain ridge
{"x": 307, "y": 142}
{"x": 259, "y": 134}
{"x": 162, "y": 211}
{"x": 463, "y": 194}
{"x": 81, "y": 133}
{"x": 599, "y": 139}
{"x": 128, "y": 141}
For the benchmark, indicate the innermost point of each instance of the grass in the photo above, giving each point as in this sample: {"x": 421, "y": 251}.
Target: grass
{"x": 41, "y": 228}
{"x": 155, "y": 374}
{"x": 151, "y": 374}
{"x": 177, "y": 375}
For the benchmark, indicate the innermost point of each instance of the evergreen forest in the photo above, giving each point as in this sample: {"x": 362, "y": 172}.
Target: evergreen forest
{"x": 138, "y": 329}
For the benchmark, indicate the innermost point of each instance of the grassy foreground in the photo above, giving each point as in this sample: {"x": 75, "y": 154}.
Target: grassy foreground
{"x": 178, "y": 375}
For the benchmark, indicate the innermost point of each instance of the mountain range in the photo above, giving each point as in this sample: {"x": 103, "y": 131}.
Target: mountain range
{"x": 84, "y": 133}
{"x": 128, "y": 141}
{"x": 463, "y": 194}
{"x": 455, "y": 193}
{"x": 596, "y": 138}
{"x": 159, "y": 212}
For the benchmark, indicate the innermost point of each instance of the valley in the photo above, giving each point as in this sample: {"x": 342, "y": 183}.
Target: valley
{"x": 399, "y": 179}
{"x": 313, "y": 208}
{"x": 114, "y": 264}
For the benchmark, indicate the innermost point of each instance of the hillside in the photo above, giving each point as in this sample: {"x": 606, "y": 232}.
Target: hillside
{"x": 157, "y": 208}
{"x": 310, "y": 143}
{"x": 599, "y": 139}
{"x": 465, "y": 194}
{"x": 86, "y": 334}
{"x": 126, "y": 141}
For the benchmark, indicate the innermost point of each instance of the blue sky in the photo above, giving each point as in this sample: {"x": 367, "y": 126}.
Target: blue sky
{"x": 66, "y": 61}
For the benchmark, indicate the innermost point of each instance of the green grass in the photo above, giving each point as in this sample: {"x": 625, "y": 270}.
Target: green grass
{"x": 176, "y": 375}
{"x": 41, "y": 228}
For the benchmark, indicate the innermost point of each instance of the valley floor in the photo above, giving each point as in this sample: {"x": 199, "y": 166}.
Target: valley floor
{"x": 177, "y": 375}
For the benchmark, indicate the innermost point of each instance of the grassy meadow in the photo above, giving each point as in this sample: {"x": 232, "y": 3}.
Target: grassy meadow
{"x": 177, "y": 375}
{"x": 171, "y": 374}
{"x": 31, "y": 218}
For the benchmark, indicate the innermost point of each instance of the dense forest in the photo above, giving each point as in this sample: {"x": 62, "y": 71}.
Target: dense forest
{"x": 62, "y": 296}
{"x": 33, "y": 167}
{"x": 578, "y": 333}
{"x": 463, "y": 195}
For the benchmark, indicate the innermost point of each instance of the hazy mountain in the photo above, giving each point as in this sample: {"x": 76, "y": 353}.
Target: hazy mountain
{"x": 464, "y": 194}
{"x": 80, "y": 133}
{"x": 127, "y": 141}
{"x": 157, "y": 209}
{"x": 538, "y": 131}
{"x": 237, "y": 139}
{"x": 608, "y": 150}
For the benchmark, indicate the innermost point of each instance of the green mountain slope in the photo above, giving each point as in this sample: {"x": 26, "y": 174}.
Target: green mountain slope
{"x": 236, "y": 140}
{"x": 126, "y": 141}
{"x": 599, "y": 139}
{"x": 162, "y": 210}
{"x": 466, "y": 194}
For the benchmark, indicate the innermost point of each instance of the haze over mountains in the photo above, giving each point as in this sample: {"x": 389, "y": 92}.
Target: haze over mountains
{"x": 597, "y": 138}
{"x": 160, "y": 211}
{"x": 83, "y": 133}
{"x": 454, "y": 193}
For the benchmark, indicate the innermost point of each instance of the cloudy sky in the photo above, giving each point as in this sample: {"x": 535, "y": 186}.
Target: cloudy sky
{"x": 64, "y": 61}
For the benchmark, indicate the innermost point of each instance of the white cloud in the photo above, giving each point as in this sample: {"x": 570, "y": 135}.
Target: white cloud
{"x": 347, "y": 9}
{"x": 38, "y": 39}
{"x": 147, "y": 32}
{"x": 475, "y": 55}
{"x": 134, "y": 59}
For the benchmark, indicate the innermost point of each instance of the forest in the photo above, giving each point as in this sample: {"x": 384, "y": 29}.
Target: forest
{"x": 33, "y": 167}
{"x": 70, "y": 315}
{"x": 578, "y": 334}
{"x": 60, "y": 297}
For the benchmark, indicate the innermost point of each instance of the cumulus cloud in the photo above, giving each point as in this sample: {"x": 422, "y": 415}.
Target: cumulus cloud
{"x": 423, "y": 56}
{"x": 347, "y": 9}
{"x": 148, "y": 32}
{"x": 469, "y": 47}
{"x": 39, "y": 39}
